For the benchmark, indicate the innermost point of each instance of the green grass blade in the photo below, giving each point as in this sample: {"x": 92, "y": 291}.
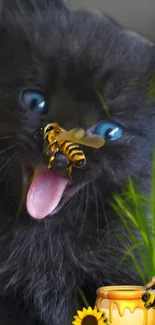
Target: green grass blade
{"x": 152, "y": 210}
{"x": 83, "y": 297}
{"x": 129, "y": 253}
{"x": 106, "y": 109}
{"x": 151, "y": 87}
{"x": 133, "y": 214}
{"x": 139, "y": 84}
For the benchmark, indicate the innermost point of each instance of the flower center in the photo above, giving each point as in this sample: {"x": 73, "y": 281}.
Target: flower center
{"x": 89, "y": 320}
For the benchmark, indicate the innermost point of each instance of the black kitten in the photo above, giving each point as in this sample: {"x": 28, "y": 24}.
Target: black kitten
{"x": 52, "y": 61}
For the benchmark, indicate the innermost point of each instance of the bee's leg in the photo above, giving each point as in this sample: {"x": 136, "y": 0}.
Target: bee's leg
{"x": 69, "y": 170}
{"x": 51, "y": 161}
{"x": 52, "y": 147}
{"x": 55, "y": 151}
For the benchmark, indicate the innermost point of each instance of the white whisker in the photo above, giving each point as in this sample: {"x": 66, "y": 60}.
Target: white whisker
{"x": 80, "y": 200}
{"x": 8, "y": 148}
{"x": 6, "y": 166}
{"x": 104, "y": 211}
{"x": 97, "y": 210}
{"x": 85, "y": 211}
{"x": 6, "y": 161}
{"x": 3, "y": 138}
{"x": 13, "y": 164}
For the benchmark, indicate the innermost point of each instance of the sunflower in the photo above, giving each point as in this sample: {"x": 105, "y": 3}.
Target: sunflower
{"x": 90, "y": 317}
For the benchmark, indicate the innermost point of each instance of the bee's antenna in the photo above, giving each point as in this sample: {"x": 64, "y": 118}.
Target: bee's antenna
{"x": 38, "y": 132}
{"x": 150, "y": 284}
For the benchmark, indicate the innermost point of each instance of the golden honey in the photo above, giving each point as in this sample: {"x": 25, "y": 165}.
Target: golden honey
{"x": 123, "y": 305}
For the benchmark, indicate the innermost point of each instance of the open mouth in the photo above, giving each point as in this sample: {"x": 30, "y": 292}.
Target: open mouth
{"x": 45, "y": 193}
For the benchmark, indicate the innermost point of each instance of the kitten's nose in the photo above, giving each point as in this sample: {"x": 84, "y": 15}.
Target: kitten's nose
{"x": 61, "y": 161}
{"x": 60, "y": 164}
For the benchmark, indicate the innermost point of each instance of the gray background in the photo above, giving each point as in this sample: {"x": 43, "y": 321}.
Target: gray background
{"x": 138, "y": 15}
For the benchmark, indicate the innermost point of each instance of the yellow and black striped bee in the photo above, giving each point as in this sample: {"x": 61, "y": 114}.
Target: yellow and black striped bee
{"x": 69, "y": 149}
{"x": 149, "y": 299}
{"x": 60, "y": 141}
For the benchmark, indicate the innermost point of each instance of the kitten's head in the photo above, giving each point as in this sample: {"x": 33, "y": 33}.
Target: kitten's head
{"x": 52, "y": 61}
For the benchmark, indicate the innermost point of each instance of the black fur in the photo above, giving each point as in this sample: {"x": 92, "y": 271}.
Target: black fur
{"x": 66, "y": 55}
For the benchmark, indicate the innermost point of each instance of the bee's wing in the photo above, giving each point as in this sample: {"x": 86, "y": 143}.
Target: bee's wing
{"x": 78, "y": 135}
{"x": 94, "y": 141}
{"x": 72, "y": 135}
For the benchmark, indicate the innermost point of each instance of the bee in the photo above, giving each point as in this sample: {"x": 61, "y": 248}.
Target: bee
{"x": 149, "y": 298}
{"x": 60, "y": 141}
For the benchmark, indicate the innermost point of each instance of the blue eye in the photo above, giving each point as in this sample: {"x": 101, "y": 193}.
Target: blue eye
{"x": 35, "y": 101}
{"x": 109, "y": 130}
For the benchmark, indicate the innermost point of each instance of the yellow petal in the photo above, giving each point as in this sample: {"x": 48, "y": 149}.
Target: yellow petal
{"x": 100, "y": 322}
{"x": 95, "y": 312}
{"x": 75, "y": 322}
{"x": 90, "y": 308}
{"x": 84, "y": 312}
{"x": 80, "y": 313}
{"x": 77, "y": 318}
{"x": 89, "y": 311}
{"x": 98, "y": 314}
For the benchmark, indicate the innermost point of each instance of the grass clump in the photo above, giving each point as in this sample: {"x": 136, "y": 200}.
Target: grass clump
{"x": 149, "y": 88}
{"x": 138, "y": 212}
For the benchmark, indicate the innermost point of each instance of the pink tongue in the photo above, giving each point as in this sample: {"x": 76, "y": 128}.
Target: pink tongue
{"x": 44, "y": 193}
